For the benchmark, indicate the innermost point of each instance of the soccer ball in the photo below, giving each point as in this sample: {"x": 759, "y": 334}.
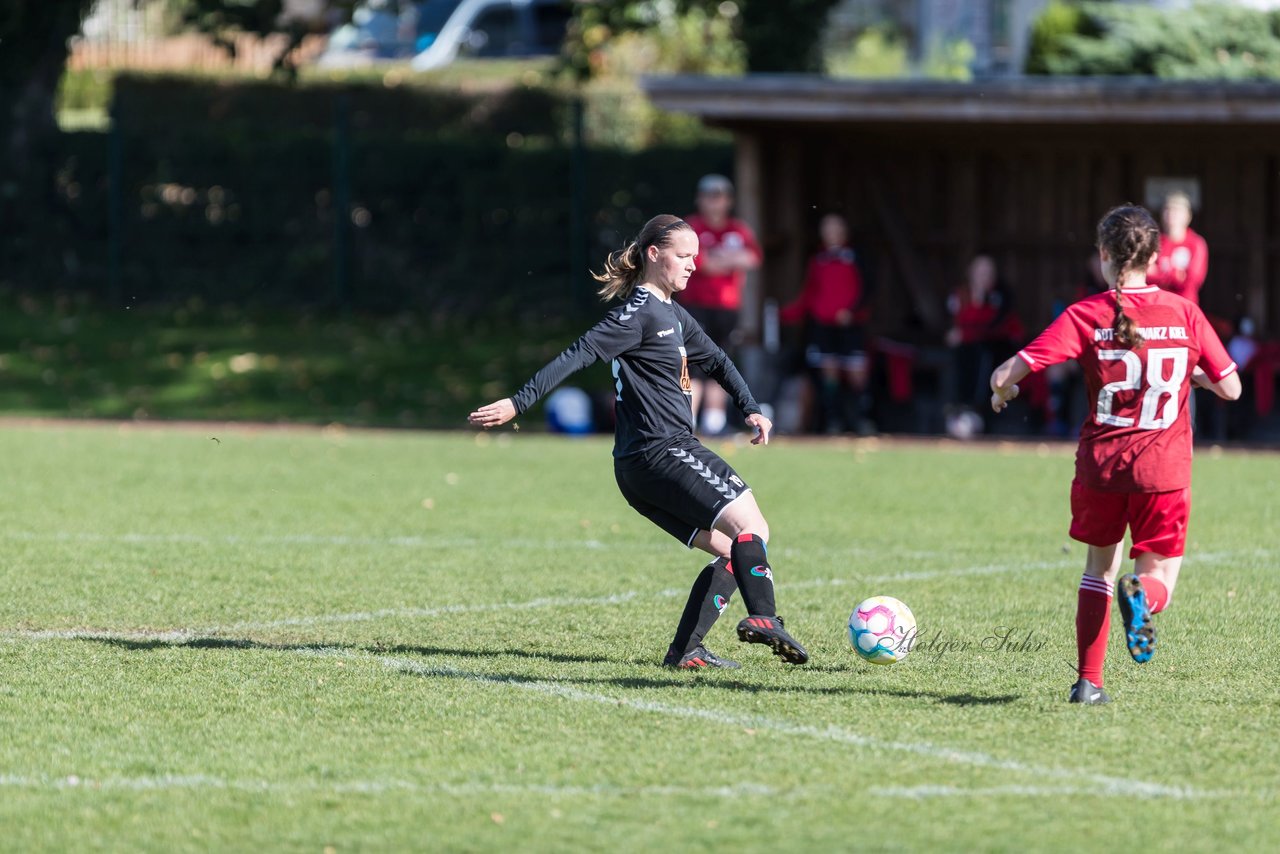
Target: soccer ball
{"x": 882, "y": 630}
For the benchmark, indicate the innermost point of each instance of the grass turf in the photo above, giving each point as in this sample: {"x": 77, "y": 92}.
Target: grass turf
{"x": 301, "y": 639}
{"x": 70, "y": 356}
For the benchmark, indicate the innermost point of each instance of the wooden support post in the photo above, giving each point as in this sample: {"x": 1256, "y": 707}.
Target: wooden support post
{"x": 750, "y": 208}
{"x": 927, "y": 305}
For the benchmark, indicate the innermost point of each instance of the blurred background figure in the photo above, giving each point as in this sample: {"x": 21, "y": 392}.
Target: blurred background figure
{"x": 833, "y": 308}
{"x": 727, "y": 250}
{"x": 1183, "y": 260}
{"x": 1182, "y": 263}
{"x": 984, "y": 331}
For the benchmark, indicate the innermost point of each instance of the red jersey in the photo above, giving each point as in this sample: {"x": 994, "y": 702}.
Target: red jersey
{"x": 1180, "y": 267}
{"x": 719, "y": 290}
{"x": 1137, "y": 437}
{"x": 988, "y": 319}
{"x": 832, "y": 284}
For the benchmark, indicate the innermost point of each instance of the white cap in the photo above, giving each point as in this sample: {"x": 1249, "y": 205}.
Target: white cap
{"x": 715, "y": 184}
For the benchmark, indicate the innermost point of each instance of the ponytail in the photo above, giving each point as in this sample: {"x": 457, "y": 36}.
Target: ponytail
{"x": 622, "y": 272}
{"x": 624, "y": 269}
{"x": 1123, "y": 328}
{"x": 1130, "y": 236}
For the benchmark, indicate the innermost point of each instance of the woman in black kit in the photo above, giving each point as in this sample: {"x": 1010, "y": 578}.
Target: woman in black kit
{"x": 662, "y": 469}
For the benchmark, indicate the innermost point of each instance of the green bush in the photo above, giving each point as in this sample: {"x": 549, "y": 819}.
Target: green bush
{"x": 1206, "y": 41}
{"x": 85, "y": 90}
{"x": 229, "y": 193}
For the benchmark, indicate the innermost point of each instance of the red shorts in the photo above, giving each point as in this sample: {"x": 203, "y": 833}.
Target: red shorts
{"x": 1156, "y": 520}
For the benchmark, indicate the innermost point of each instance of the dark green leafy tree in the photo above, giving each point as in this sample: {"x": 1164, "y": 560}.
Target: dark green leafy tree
{"x": 1208, "y": 41}
{"x": 779, "y": 35}
{"x": 33, "y": 52}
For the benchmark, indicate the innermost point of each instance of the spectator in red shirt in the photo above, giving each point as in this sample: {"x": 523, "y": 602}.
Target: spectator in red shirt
{"x": 833, "y": 307}
{"x": 1183, "y": 261}
{"x": 727, "y": 250}
{"x": 984, "y": 331}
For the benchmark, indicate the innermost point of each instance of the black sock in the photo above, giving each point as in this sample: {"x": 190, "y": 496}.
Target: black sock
{"x": 709, "y": 596}
{"x": 832, "y": 412}
{"x": 755, "y": 578}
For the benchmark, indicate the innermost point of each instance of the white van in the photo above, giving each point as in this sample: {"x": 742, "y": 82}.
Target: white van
{"x": 435, "y": 32}
{"x": 498, "y": 28}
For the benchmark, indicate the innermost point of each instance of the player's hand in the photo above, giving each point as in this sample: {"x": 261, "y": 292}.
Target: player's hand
{"x": 763, "y": 427}
{"x": 1000, "y": 399}
{"x": 494, "y": 415}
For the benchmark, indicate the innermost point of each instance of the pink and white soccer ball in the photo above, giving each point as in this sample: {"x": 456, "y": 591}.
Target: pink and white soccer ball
{"x": 882, "y": 630}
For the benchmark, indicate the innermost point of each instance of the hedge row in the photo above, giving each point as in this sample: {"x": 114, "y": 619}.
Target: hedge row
{"x": 233, "y": 193}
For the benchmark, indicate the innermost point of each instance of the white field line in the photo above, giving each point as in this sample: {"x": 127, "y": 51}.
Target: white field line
{"x": 1085, "y": 782}
{"x": 421, "y": 541}
{"x": 378, "y": 787}
{"x": 406, "y": 541}
{"x": 1099, "y": 784}
{"x": 175, "y": 782}
{"x": 181, "y": 635}
{"x": 937, "y": 791}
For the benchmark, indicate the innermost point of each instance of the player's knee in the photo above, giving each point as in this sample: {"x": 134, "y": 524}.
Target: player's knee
{"x": 760, "y": 529}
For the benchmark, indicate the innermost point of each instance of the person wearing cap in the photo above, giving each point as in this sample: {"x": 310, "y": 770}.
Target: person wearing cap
{"x": 1183, "y": 259}
{"x": 727, "y": 250}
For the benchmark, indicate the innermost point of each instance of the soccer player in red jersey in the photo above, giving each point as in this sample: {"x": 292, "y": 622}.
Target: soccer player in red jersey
{"x": 1140, "y": 349}
{"x": 833, "y": 305}
{"x": 662, "y": 470}
{"x": 1183, "y": 261}
{"x": 727, "y": 249}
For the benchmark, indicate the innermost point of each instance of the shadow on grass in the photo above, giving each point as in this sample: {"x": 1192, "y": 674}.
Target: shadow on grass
{"x": 687, "y": 681}
{"x": 427, "y": 651}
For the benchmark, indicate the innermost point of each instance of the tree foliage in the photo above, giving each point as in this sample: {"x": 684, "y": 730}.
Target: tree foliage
{"x": 1207, "y": 41}
{"x": 774, "y": 35}
{"x": 33, "y": 52}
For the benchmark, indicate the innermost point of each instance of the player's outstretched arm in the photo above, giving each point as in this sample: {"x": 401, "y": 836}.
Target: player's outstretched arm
{"x": 1004, "y": 382}
{"x": 1227, "y": 388}
{"x": 493, "y": 415}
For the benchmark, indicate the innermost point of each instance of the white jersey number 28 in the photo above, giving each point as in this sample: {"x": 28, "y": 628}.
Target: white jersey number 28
{"x": 1154, "y": 416}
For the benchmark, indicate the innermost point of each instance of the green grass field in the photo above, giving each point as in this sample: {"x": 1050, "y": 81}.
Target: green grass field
{"x": 222, "y": 639}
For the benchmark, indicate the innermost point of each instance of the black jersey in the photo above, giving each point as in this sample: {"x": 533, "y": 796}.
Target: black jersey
{"x": 650, "y": 343}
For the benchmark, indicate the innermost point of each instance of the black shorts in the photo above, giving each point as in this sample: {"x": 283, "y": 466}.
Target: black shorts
{"x": 846, "y": 344}
{"x": 682, "y": 488}
{"x": 719, "y": 324}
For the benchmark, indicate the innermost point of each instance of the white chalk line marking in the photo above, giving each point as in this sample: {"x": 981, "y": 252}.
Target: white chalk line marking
{"x": 180, "y": 635}
{"x": 1088, "y": 782}
{"x": 421, "y": 541}
{"x": 377, "y": 787}
{"x": 407, "y": 541}
{"x": 169, "y": 782}
{"x": 1100, "y": 784}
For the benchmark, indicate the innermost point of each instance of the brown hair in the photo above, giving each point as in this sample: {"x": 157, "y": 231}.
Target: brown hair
{"x": 1130, "y": 236}
{"x": 623, "y": 269}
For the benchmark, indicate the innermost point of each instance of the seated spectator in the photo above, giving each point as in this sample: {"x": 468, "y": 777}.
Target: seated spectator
{"x": 833, "y": 308}
{"x": 985, "y": 331}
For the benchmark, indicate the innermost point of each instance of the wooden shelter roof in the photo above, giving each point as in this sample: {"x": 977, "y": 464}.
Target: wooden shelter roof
{"x": 785, "y": 98}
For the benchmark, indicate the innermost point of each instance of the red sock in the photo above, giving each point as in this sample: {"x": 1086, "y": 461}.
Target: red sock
{"x": 1093, "y": 622}
{"x": 1157, "y": 594}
